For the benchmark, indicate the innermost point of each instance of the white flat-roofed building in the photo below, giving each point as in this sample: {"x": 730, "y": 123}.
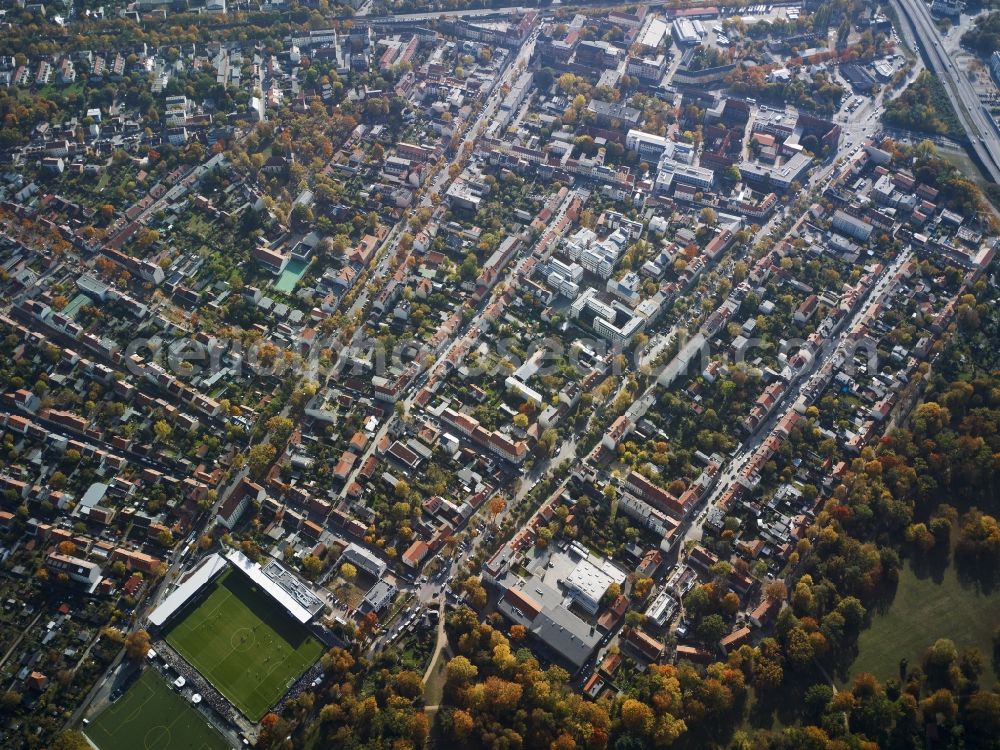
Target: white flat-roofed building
{"x": 679, "y": 152}
{"x": 778, "y": 123}
{"x": 653, "y": 34}
{"x": 600, "y": 259}
{"x": 684, "y": 32}
{"x": 661, "y": 609}
{"x": 777, "y": 177}
{"x": 648, "y": 145}
{"x": 378, "y": 597}
{"x": 884, "y": 69}
{"x": 671, "y": 172}
{"x": 613, "y": 322}
{"x": 590, "y": 580}
{"x": 517, "y": 381}
{"x": 565, "y": 278}
{"x": 571, "y": 271}
{"x": 294, "y": 586}
{"x": 93, "y": 287}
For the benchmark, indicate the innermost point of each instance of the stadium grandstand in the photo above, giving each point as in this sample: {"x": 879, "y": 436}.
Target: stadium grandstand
{"x": 205, "y": 573}
{"x": 279, "y": 583}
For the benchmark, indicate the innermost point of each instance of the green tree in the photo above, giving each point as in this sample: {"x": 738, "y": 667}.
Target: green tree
{"x": 10, "y": 700}
{"x": 634, "y": 619}
{"x": 547, "y": 441}
{"x": 261, "y": 457}
{"x": 70, "y": 740}
{"x": 162, "y": 431}
{"x": 637, "y": 717}
{"x": 280, "y": 428}
{"x": 799, "y": 648}
{"x": 469, "y": 269}
{"x": 460, "y": 672}
{"x": 312, "y": 565}
{"x": 712, "y": 628}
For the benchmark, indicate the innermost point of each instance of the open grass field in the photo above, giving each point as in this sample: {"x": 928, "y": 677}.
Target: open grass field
{"x": 924, "y": 610}
{"x": 151, "y": 716}
{"x": 247, "y": 646}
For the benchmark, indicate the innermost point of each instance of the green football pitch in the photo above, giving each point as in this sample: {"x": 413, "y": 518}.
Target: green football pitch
{"x": 151, "y": 716}
{"x": 244, "y": 643}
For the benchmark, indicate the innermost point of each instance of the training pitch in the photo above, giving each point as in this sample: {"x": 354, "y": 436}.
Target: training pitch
{"x": 244, "y": 643}
{"x": 151, "y": 716}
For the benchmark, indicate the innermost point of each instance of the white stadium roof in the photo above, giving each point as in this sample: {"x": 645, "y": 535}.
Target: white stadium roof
{"x": 276, "y": 591}
{"x": 201, "y": 575}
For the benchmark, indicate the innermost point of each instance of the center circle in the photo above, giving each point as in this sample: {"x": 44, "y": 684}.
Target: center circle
{"x": 242, "y": 639}
{"x": 157, "y": 738}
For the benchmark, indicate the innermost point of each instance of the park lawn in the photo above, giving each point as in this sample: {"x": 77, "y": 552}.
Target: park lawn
{"x": 244, "y": 643}
{"x": 151, "y": 716}
{"x": 434, "y": 688}
{"x": 923, "y": 611}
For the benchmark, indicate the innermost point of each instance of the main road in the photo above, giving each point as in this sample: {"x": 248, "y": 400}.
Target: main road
{"x": 983, "y": 135}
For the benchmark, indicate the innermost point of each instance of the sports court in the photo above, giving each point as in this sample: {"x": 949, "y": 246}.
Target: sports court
{"x": 151, "y": 716}
{"x": 244, "y": 643}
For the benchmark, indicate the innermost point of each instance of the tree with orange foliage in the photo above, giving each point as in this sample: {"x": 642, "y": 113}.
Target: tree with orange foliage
{"x": 497, "y": 505}
{"x": 137, "y": 644}
{"x": 273, "y": 729}
{"x": 67, "y": 548}
{"x": 501, "y": 696}
{"x": 642, "y": 587}
{"x": 368, "y": 623}
{"x": 636, "y": 716}
{"x": 461, "y": 724}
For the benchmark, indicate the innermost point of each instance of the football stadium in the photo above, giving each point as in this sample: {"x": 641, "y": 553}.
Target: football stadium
{"x": 243, "y": 627}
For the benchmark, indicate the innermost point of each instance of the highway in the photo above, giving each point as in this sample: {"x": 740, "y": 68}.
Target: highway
{"x": 983, "y": 136}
